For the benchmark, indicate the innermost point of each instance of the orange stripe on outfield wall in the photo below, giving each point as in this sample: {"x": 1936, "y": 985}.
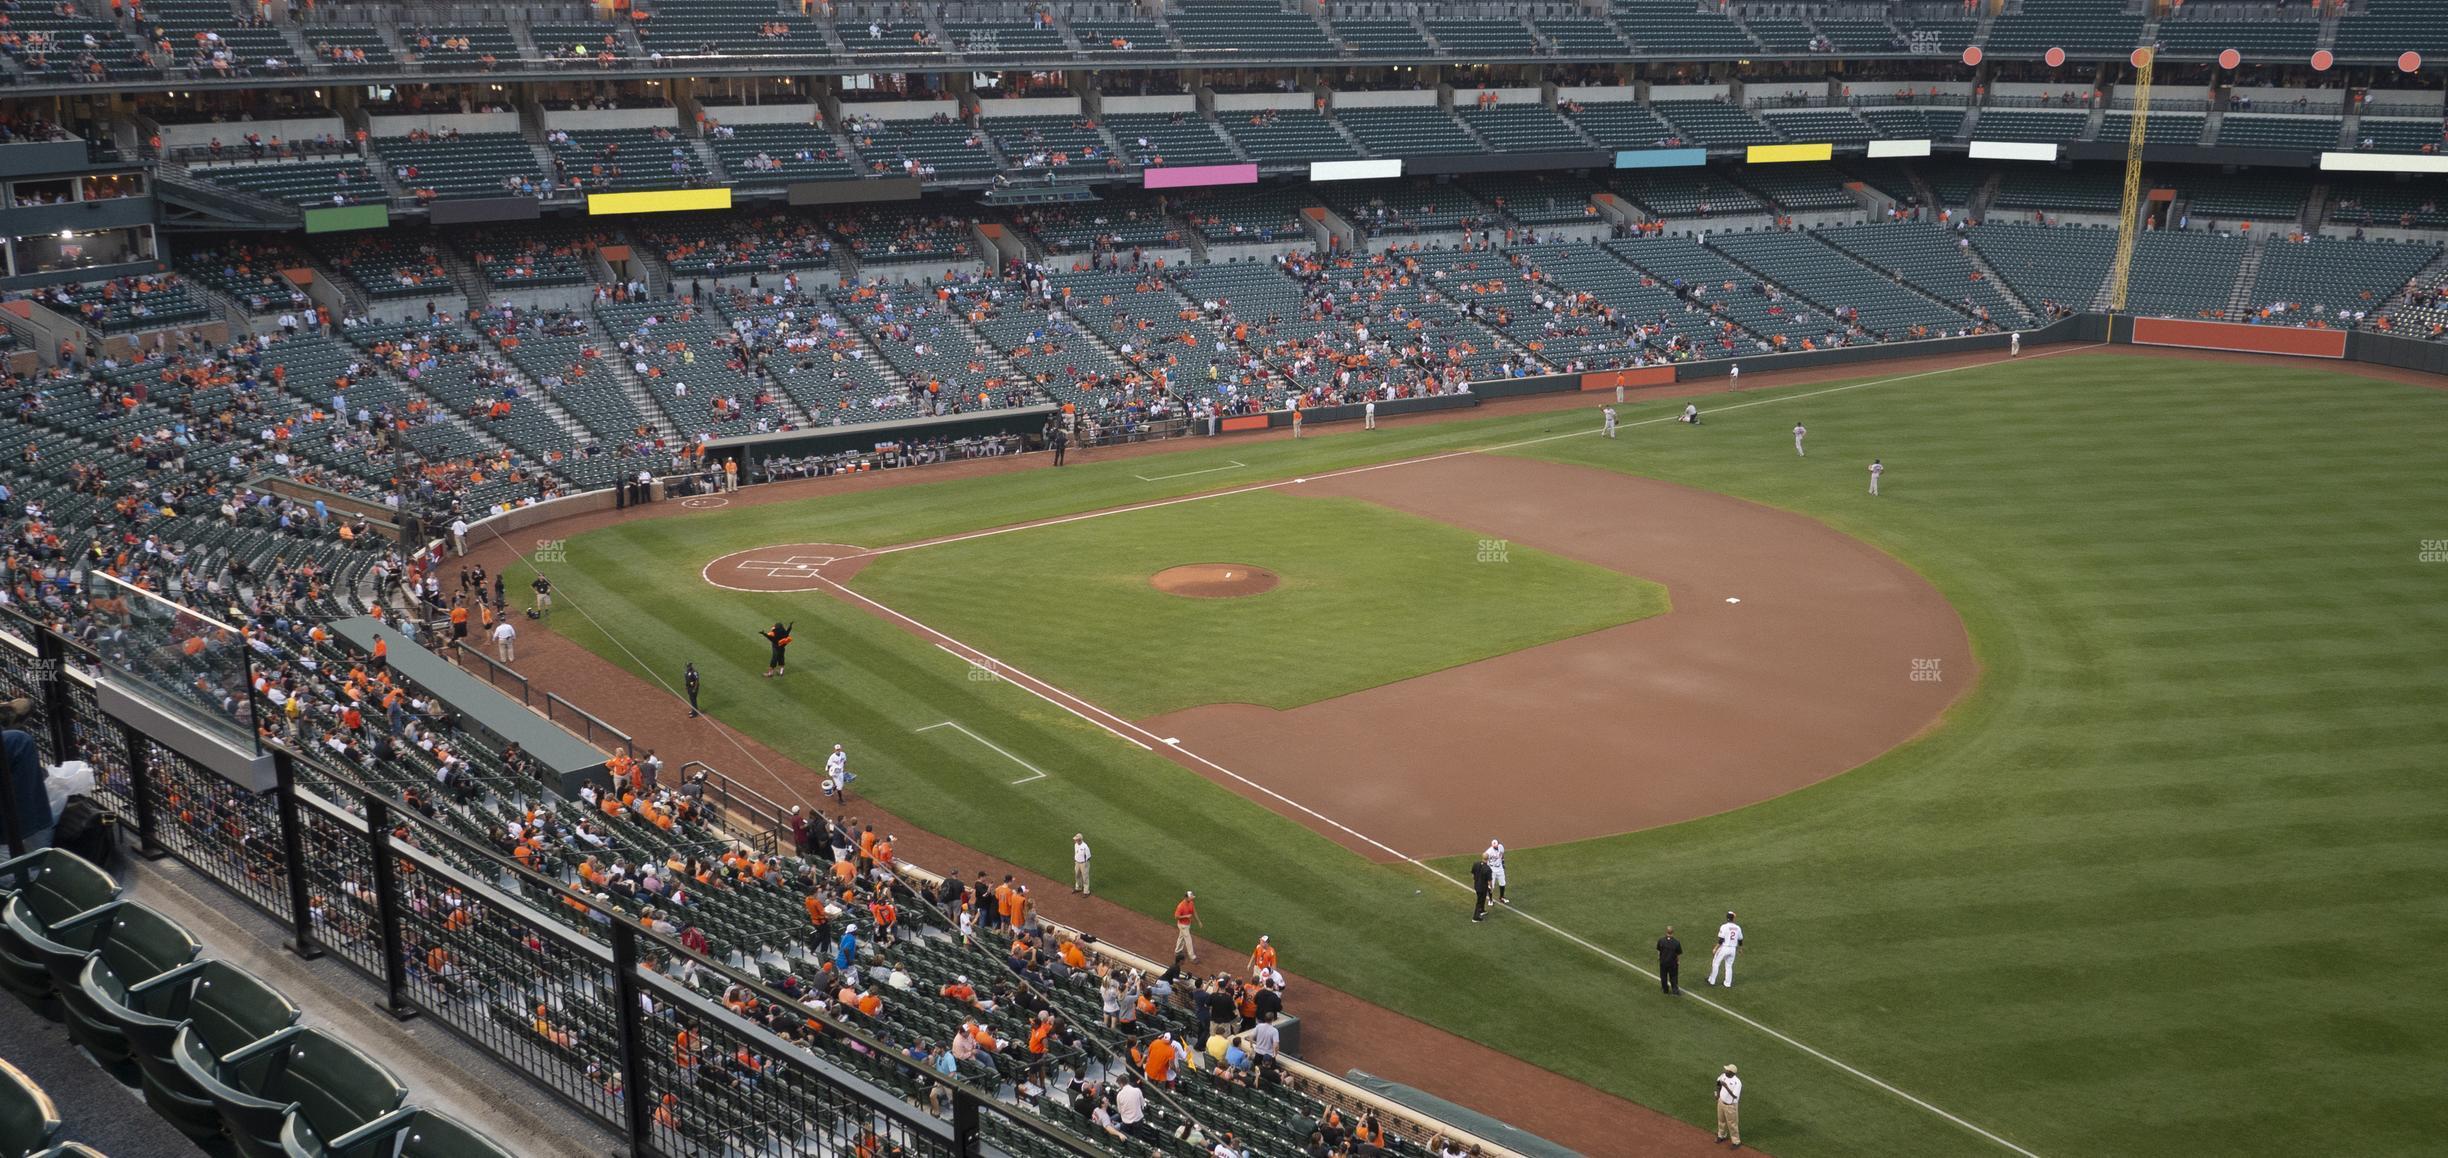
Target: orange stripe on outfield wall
{"x": 2236, "y": 336}
{"x": 1246, "y": 422}
{"x": 1641, "y": 376}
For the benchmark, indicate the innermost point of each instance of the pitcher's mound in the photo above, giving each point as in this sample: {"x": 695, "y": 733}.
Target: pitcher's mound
{"x": 1214, "y": 580}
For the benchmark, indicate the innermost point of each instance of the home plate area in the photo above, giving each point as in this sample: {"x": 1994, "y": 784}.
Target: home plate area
{"x": 788, "y": 567}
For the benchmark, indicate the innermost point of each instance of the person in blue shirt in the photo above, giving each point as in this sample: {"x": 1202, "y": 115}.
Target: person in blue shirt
{"x": 846, "y": 954}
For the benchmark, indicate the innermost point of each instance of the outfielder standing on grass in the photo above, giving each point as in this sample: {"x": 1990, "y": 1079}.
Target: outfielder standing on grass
{"x": 1729, "y": 942}
{"x": 1496, "y": 873}
{"x": 1799, "y": 431}
{"x": 1877, "y": 468}
{"x": 1608, "y": 413}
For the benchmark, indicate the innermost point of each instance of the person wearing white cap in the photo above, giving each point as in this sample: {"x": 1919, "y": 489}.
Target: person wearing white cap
{"x": 1729, "y": 1107}
{"x": 1729, "y": 942}
{"x": 1496, "y": 872}
{"x": 1079, "y": 863}
{"x": 837, "y": 775}
{"x": 1185, "y": 915}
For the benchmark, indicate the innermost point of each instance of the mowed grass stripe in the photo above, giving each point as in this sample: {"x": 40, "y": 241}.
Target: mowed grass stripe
{"x": 2046, "y": 899}
{"x": 1885, "y": 905}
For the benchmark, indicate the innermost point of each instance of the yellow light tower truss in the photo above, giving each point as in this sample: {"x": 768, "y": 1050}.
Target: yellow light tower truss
{"x": 2129, "y": 220}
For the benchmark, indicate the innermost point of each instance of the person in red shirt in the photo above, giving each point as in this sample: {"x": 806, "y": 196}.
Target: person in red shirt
{"x": 1185, "y": 915}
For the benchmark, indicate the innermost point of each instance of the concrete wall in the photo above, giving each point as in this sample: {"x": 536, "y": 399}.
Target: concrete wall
{"x": 1782, "y": 89}
{"x": 1687, "y": 92}
{"x": 233, "y": 132}
{"x": 576, "y": 119}
{"x": 1175, "y": 103}
{"x": 1426, "y": 98}
{"x": 1597, "y": 92}
{"x": 1465, "y": 97}
{"x": 1238, "y": 101}
{"x": 2060, "y": 90}
{"x": 1063, "y": 106}
{"x": 1883, "y": 91}
{"x": 2316, "y": 100}
{"x": 901, "y": 110}
{"x": 401, "y": 126}
{"x": 783, "y": 114}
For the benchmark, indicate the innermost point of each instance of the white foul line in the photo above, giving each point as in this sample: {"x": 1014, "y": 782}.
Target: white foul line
{"x": 1780, "y": 399}
{"x": 1123, "y": 728}
{"x": 1040, "y": 772}
{"x": 1188, "y": 473}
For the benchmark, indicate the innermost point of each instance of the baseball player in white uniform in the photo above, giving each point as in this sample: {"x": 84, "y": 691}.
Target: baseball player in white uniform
{"x": 1799, "y": 431}
{"x": 1877, "y": 468}
{"x": 837, "y": 774}
{"x": 1369, "y": 415}
{"x": 2014, "y": 344}
{"x": 1734, "y": 375}
{"x": 1608, "y": 413}
{"x": 1496, "y": 873}
{"x": 1729, "y": 942}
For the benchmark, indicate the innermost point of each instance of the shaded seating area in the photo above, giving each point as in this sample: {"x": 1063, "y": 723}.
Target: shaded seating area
{"x": 306, "y": 184}
{"x": 2004, "y": 124}
{"x": 1581, "y": 36}
{"x": 2095, "y": 190}
{"x": 1931, "y": 257}
{"x": 2320, "y": 278}
{"x": 781, "y": 153}
{"x": 2061, "y": 265}
{"x": 1799, "y": 186}
{"x": 1715, "y": 124}
{"x": 465, "y": 165}
{"x": 1672, "y": 27}
{"x": 128, "y": 303}
{"x": 1686, "y": 193}
{"x": 2161, "y": 129}
{"x": 614, "y": 160}
{"x": 2183, "y": 275}
{"x": 2254, "y": 131}
{"x": 1483, "y": 37}
{"x": 1521, "y": 128}
{"x": 1286, "y": 136}
{"x": 1408, "y": 131}
{"x": 2081, "y": 27}
{"x": 1169, "y": 139}
{"x": 1838, "y": 285}
{"x": 1841, "y": 126}
{"x": 1237, "y": 27}
{"x": 1622, "y": 124}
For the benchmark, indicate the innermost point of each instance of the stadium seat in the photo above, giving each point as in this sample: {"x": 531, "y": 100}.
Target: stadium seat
{"x": 294, "y": 1071}
{"x": 410, "y": 1133}
{"x": 28, "y": 1119}
{"x": 134, "y": 946}
{"x": 226, "y": 1007}
{"x": 56, "y": 902}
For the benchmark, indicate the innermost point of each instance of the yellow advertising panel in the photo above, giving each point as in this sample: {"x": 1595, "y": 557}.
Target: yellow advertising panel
{"x": 1767, "y": 154}
{"x": 658, "y": 201}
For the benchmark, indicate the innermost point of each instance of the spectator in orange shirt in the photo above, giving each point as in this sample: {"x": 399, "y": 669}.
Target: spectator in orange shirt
{"x": 1185, "y": 915}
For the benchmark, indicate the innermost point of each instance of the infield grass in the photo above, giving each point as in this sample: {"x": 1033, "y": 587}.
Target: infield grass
{"x": 2168, "y": 881}
{"x": 1355, "y": 607}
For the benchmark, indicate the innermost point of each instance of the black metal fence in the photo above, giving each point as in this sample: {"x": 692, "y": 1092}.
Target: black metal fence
{"x": 621, "y": 1023}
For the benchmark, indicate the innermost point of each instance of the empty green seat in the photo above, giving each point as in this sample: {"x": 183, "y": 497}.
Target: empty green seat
{"x": 55, "y": 895}
{"x": 27, "y": 1117}
{"x": 408, "y": 1133}
{"x": 220, "y": 1006}
{"x": 135, "y": 945}
{"x": 294, "y": 1071}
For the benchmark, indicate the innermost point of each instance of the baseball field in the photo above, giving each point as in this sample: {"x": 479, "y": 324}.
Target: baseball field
{"x": 2080, "y": 794}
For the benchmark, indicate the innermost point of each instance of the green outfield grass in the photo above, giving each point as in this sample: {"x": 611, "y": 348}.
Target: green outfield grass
{"x": 2168, "y": 881}
{"x": 1354, "y": 608}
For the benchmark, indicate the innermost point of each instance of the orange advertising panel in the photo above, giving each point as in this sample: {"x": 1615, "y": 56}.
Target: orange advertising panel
{"x": 1246, "y": 422}
{"x": 299, "y": 275}
{"x": 2239, "y": 337}
{"x": 1642, "y": 376}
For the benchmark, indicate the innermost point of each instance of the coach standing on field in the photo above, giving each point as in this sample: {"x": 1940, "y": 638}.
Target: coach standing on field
{"x": 1729, "y": 1107}
{"x": 1481, "y": 877}
{"x": 1670, "y": 964}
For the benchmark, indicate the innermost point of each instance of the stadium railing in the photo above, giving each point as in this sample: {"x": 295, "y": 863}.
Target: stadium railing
{"x": 350, "y": 871}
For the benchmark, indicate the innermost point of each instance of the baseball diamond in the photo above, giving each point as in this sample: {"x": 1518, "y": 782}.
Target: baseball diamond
{"x": 1223, "y": 579}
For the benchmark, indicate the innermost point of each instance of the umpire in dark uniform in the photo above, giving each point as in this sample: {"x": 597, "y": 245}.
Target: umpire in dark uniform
{"x": 1670, "y": 964}
{"x": 1482, "y": 878}
{"x": 689, "y": 677}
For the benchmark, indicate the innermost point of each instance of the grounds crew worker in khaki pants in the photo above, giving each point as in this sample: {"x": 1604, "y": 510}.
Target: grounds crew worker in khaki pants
{"x": 1729, "y": 1107}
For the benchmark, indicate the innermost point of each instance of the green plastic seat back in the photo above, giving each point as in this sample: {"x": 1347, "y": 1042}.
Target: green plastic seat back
{"x": 336, "y": 1088}
{"x": 434, "y": 1136}
{"x": 64, "y": 885}
{"x": 27, "y": 1117}
{"x": 141, "y": 944}
{"x": 229, "y": 1007}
